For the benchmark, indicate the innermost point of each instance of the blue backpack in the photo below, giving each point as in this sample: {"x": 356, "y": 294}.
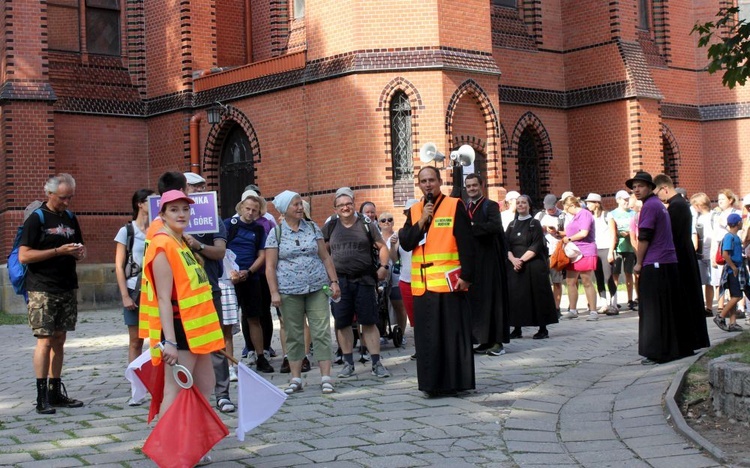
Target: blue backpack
{"x": 16, "y": 269}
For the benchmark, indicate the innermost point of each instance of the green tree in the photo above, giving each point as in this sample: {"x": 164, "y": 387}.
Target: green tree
{"x": 728, "y": 46}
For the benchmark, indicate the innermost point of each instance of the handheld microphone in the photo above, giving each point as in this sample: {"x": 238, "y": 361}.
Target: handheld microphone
{"x": 429, "y": 198}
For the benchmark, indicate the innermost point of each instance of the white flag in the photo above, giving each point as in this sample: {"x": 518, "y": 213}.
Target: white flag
{"x": 137, "y": 390}
{"x": 258, "y": 400}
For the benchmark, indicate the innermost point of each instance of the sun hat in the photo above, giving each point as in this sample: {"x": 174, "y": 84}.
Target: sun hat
{"x": 512, "y": 195}
{"x": 622, "y": 194}
{"x": 643, "y": 177}
{"x": 594, "y": 197}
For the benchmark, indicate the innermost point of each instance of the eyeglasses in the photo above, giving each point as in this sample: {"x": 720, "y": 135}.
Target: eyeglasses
{"x": 386, "y": 220}
{"x": 345, "y": 205}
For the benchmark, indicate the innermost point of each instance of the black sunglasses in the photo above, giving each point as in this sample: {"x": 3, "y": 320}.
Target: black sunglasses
{"x": 386, "y": 220}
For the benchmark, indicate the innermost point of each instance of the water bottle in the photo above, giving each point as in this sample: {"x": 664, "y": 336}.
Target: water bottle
{"x": 329, "y": 292}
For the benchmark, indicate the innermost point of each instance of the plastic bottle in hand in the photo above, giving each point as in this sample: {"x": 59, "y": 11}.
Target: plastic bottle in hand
{"x": 329, "y": 292}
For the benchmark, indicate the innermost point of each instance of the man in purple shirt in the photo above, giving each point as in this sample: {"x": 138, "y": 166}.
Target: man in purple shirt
{"x": 663, "y": 334}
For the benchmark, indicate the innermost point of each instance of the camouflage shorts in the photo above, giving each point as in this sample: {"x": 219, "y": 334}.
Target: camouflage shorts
{"x": 50, "y": 312}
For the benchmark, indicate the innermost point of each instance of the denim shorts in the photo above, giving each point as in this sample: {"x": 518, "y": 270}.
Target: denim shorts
{"x": 357, "y": 300}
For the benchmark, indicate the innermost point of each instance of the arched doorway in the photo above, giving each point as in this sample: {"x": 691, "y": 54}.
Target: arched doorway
{"x": 528, "y": 166}
{"x": 236, "y": 170}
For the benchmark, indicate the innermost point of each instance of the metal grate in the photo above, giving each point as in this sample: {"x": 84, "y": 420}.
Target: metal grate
{"x": 528, "y": 167}
{"x": 236, "y": 171}
{"x": 401, "y": 149}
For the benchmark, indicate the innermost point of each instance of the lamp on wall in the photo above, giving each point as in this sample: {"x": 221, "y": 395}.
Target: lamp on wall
{"x": 215, "y": 112}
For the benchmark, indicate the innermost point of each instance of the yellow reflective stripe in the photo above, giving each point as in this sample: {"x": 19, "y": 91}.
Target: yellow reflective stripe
{"x": 193, "y": 301}
{"x": 440, "y": 268}
{"x": 206, "y": 338}
{"x": 143, "y": 324}
{"x": 200, "y": 321}
{"x": 437, "y": 282}
{"x": 149, "y": 310}
{"x": 416, "y": 284}
{"x": 440, "y": 257}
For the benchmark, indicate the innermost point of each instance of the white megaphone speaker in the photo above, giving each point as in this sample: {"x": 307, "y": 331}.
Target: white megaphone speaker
{"x": 464, "y": 155}
{"x": 429, "y": 152}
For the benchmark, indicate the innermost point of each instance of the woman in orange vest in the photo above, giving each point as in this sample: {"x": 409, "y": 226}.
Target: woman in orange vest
{"x": 185, "y": 321}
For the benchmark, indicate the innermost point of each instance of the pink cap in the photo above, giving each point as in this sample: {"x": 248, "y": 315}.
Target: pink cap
{"x": 174, "y": 195}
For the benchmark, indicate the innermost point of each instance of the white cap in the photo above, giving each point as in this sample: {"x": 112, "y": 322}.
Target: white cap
{"x": 566, "y": 195}
{"x": 512, "y": 195}
{"x": 194, "y": 179}
{"x": 594, "y": 197}
{"x": 409, "y": 203}
{"x": 622, "y": 194}
{"x": 746, "y": 200}
{"x": 249, "y": 193}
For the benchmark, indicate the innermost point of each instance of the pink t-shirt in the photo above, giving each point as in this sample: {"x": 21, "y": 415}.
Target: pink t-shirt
{"x": 583, "y": 220}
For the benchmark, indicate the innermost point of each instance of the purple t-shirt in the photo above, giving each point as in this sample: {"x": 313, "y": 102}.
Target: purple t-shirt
{"x": 654, "y": 216}
{"x": 584, "y": 220}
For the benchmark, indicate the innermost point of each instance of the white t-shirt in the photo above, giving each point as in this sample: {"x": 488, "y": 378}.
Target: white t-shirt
{"x": 405, "y": 265}
{"x": 704, "y": 220}
{"x": 139, "y": 242}
{"x": 603, "y": 235}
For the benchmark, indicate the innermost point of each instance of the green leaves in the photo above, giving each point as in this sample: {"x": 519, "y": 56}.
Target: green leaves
{"x": 728, "y": 46}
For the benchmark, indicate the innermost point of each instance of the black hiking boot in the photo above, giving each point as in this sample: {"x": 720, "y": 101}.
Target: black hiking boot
{"x": 58, "y": 395}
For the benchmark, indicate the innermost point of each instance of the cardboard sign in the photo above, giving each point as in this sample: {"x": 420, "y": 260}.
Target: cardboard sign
{"x": 204, "y": 213}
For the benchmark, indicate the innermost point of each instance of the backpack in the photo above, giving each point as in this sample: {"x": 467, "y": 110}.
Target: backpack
{"x": 131, "y": 268}
{"x": 17, "y": 270}
{"x": 331, "y": 225}
{"x": 720, "y": 251}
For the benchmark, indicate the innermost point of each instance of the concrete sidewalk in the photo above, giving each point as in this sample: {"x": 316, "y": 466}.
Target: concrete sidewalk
{"x": 580, "y": 398}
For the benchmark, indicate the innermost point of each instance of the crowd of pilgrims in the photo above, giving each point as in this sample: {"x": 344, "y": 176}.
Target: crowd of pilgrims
{"x": 514, "y": 285}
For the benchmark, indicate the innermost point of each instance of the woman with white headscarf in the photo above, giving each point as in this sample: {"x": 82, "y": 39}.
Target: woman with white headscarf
{"x": 298, "y": 268}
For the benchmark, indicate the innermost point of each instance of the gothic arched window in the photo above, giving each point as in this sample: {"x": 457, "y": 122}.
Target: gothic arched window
{"x": 401, "y": 148}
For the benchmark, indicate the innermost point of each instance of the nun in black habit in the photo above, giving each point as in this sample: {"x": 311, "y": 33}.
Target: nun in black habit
{"x": 530, "y": 294}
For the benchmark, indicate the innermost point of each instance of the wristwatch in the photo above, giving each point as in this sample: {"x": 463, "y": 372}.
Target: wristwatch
{"x": 201, "y": 247}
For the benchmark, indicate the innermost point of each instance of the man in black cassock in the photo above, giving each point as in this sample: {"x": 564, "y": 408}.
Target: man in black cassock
{"x": 488, "y": 294}
{"x": 682, "y": 229}
{"x": 442, "y": 320}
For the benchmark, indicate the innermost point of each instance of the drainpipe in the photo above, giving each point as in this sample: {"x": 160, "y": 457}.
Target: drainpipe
{"x": 195, "y": 133}
{"x": 248, "y": 33}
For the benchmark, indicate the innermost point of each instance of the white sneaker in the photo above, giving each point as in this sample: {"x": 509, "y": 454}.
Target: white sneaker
{"x": 572, "y": 314}
{"x": 252, "y": 358}
{"x": 593, "y": 316}
{"x": 232, "y": 374}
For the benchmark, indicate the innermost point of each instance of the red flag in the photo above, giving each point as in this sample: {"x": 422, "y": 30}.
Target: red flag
{"x": 186, "y": 432}
{"x": 153, "y": 378}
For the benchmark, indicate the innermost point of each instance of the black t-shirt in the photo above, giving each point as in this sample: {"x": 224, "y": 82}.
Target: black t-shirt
{"x": 57, "y": 274}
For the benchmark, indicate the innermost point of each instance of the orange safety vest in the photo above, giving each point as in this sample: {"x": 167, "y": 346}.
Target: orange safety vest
{"x": 194, "y": 298}
{"x": 439, "y": 254}
{"x": 148, "y": 300}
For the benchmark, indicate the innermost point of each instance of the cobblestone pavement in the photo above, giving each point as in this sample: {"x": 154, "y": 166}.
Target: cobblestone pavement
{"x": 580, "y": 398}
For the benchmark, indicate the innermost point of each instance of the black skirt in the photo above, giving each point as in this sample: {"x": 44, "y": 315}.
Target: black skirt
{"x": 664, "y": 334}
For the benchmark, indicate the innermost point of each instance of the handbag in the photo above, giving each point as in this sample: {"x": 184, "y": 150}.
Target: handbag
{"x": 573, "y": 252}
{"x": 558, "y": 260}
